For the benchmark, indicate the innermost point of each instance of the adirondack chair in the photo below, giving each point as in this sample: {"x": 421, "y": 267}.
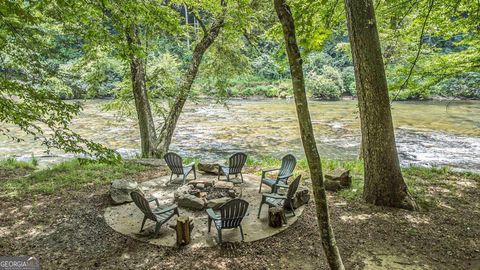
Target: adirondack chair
{"x": 283, "y": 201}
{"x": 284, "y": 172}
{"x": 175, "y": 164}
{"x": 235, "y": 166}
{"x": 231, "y": 215}
{"x": 158, "y": 215}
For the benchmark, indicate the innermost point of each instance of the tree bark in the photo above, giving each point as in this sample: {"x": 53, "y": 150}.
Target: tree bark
{"x": 142, "y": 105}
{"x": 309, "y": 145}
{"x": 168, "y": 128}
{"x": 384, "y": 184}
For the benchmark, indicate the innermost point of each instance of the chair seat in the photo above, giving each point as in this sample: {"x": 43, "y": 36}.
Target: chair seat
{"x": 215, "y": 217}
{"x": 187, "y": 169}
{"x": 269, "y": 182}
{"x": 224, "y": 169}
{"x": 164, "y": 213}
{"x": 274, "y": 202}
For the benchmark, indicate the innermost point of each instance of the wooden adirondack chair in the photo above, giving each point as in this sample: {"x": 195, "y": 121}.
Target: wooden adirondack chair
{"x": 235, "y": 166}
{"x": 231, "y": 215}
{"x": 175, "y": 164}
{"x": 158, "y": 215}
{"x": 284, "y": 172}
{"x": 283, "y": 201}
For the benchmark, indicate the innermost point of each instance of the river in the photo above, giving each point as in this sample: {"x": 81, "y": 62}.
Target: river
{"x": 427, "y": 133}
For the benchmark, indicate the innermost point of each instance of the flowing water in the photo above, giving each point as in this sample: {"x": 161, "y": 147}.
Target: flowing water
{"x": 427, "y": 133}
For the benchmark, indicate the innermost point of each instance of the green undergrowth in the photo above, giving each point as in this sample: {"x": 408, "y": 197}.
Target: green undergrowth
{"x": 70, "y": 174}
{"x": 13, "y": 164}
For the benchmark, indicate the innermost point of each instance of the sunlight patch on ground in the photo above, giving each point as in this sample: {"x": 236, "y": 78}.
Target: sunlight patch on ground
{"x": 417, "y": 219}
{"x": 359, "y": 217}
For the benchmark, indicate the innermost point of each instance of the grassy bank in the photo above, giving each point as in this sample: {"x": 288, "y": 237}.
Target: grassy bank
{"x": 20, "y": 178}
{"x": 71, "y": 174}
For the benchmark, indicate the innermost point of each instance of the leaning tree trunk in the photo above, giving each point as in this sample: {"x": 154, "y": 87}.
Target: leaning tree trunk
{"x": 384, "y": 184}
{"x": 166, "y": 132}
{"x": 308, "y": 139}
{"x": 142, "y": 105}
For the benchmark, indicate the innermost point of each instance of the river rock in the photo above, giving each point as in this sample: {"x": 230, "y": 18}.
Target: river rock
{"x": 205, "y": 182}
{"x": 332, "y": 185}
{"x": 182, "y": 191}
{"x": 120, "y": 190}
{"x": 223, "y": 185}
{"x": 301, "y": 197}
{"x": 190, "y": 201}
{"x": 216, "y": 203}
{"x": 208, "y": 167}
{"x": 340, "y": 175}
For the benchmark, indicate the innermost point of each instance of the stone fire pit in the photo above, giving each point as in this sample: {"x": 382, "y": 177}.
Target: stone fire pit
{"x": 198, "y": 194}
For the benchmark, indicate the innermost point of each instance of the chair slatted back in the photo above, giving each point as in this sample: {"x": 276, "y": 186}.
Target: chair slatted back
{"x": 174, "y": 162}
{"x": 292, "y": 189}
{"x": 236, "y": 162}
{"x": 233, "y": 212}
{"x": 143, "y": 204}
{"x": 288, "y": 165}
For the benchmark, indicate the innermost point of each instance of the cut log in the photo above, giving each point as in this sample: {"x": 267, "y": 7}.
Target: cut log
{"x": 301, "y": 197}
{"x": 276, "y": 217}
{"x": 183, "y": 229}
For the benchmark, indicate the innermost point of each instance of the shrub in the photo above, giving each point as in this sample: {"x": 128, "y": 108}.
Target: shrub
{"x": 322, "y": 87}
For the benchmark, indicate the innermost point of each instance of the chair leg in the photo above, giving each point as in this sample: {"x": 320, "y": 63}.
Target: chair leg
{"x": 218, "y": 172}
{"x": 219, "y": 235}
{"x": 157, "y": 229}
{"x": 260, "y": 209}
{"x": 184, "y": 179}
{"x": 194, "y": 173}
{"x": 209, "y": 223}
{"x": 241, "y": 232}
{"x": 241, "y": 177}
{"x": 170, "y": 181}
{"x": 143, "y": 223}
{"x": 228, "y": 177}
{"x": 260, "y": 189}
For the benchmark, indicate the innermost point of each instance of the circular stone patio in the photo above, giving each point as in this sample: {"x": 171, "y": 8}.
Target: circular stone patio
{"x": 127, "y": 218}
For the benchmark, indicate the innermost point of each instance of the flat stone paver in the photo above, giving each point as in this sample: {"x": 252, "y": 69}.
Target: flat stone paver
{"x": 127, "y": 218}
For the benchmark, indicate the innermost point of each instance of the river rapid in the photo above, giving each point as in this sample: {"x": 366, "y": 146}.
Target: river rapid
{"x": 427, "y": 133}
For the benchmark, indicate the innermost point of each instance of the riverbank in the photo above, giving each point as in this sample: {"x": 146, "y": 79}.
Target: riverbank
{"x": 62, "y": 224}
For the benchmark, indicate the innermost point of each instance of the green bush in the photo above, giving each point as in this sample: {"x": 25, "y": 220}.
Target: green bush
{"x": 322, "y": 87}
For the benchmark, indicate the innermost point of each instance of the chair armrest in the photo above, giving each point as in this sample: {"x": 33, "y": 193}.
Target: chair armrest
{"x": 281, "y": 185}
{"x": 154, "y": 199}
{"x": 286, "y": 176}
{"x": 269, "y": 170}
{"x": 274, "y": 196}
{"x": 190, "y": 164}
{"x": 166, "y": 209}
{"x": 212, "y": 214}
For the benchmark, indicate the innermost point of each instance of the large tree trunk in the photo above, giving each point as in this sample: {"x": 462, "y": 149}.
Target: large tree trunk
{"x": 166, "y": 132}
{"x": 384, "y": 183}
{"x": 308, "y": 139}
{"x": 142, "y": 105}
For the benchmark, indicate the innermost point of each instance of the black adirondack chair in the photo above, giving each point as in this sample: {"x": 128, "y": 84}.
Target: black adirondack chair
{"x": 158, "y": 215}
{"x": 277, "y": 200}
{"x": 284, "y": 172}
{"x": 231, "y": 215}
{"x": 235, "y": 166}
{"x": 175, "y": 164}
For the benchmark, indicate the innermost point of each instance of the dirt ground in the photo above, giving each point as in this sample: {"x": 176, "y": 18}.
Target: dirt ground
{"x": 67, "y": 231}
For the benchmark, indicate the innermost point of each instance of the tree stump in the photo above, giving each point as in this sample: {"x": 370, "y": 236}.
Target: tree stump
{"x": 183, "y": 229}
{"x": 276, "y": 217}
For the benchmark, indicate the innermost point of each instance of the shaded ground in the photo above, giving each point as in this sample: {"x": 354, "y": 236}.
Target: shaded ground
{"x": 66, "y": 230}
